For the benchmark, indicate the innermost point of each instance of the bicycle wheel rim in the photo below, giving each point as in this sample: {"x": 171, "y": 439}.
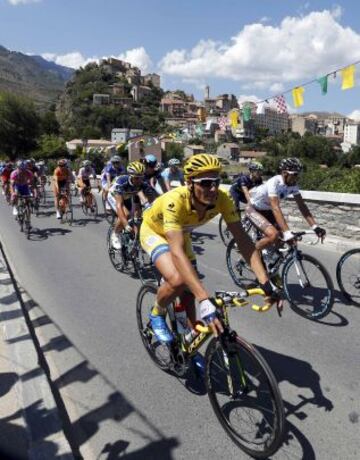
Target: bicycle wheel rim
{"x": 158, "y": 352}
{"x": 348, "y": 275}
{"x": 255, "y": 404}
{"x": 239, "y": 270}
{"x": 315, "y": 300}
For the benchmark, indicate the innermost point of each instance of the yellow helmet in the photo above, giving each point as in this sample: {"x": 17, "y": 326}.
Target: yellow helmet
{"x": 201, "y": 163}
{"x": 135, "y": 168}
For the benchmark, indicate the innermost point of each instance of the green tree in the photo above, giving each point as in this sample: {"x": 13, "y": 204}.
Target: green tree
{"x": 173, "y": 150}
{"x": 19, "y": 125}
{"x": 49, "y": 123}
{"x": 51, "y": 146}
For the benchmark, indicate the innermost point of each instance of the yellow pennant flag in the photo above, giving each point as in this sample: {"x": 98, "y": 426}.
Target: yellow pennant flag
{"x": 348, "y": 77}
{"x": 234, "y": 119}
{"x": 298, "y": 96}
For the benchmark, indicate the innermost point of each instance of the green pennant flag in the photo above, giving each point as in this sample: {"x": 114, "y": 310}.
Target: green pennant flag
{"x": 323, "y": 81}
{"x": 246, "y": 112}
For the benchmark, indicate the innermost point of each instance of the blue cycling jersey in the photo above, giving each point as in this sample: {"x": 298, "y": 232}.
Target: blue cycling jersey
{"x": 122, "y": 186}
{"x": 110, "y": 169}
{"x": 244, "y": 180}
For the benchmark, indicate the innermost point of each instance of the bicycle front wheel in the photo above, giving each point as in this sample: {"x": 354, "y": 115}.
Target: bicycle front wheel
{"x": 308, "y": 287}
{"x": 245, "y": 396}
{"x": 239, "y": 269}
{"x": 348, "y": 275}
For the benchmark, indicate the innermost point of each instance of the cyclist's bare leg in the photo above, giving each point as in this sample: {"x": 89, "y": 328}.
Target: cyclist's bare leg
{"x": 118, "y": 225}
{"x": 271, "y": 237}
{"x": 173, "y": 286}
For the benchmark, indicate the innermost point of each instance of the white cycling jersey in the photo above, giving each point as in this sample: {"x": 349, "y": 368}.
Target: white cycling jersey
{"x": 86, "y": 173}
{"x": 273, "y": 187}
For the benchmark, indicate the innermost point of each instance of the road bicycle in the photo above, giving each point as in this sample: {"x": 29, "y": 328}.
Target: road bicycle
{"x": 131, "y": 257}
{"x": 7, "y": 192}
{"x": 242, "y": 389}
{"x": 306, "y": 283}
{"x": 65, "y": 206}
{"x": 24, "y": 214}
{"x": 89, "y": 205}
{"x": 348, "y": 275}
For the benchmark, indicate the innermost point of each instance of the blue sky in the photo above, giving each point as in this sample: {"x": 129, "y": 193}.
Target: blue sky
{"x": 251, "y": 49}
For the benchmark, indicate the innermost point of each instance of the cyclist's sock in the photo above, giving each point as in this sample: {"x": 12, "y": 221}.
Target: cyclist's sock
{"x": 158, "y": 311}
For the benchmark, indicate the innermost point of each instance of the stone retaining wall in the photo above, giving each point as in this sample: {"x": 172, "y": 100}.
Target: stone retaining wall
{"x": 339, "y": 219}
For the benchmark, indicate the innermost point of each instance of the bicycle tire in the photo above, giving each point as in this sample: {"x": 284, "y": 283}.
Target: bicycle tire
{"x": 293, "y": 296}
{"x": 147, "y": 336}
{"x": 343, "y": 280}
{"x": 224, "y": 232}
{"x": 115, "y": 255}
{"x": 240, "y": 361}
{"x": 94, "y": 210}
{"x": 240, "y": 271}
{"x": 108, "y": 213}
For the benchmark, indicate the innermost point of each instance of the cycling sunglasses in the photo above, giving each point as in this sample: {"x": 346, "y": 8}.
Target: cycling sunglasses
{"x": 207, "y": 182}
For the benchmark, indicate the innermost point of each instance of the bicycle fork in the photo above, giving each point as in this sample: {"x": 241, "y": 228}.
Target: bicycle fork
{"x": 226, "y": 352}
{"x": 301, "y": 273}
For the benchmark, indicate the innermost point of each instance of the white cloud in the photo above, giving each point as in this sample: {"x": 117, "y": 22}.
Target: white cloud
{"x": 22, "y": 2}
{"x": 355, "y": 115}
{"x": 137, "y": 57}
{"x": 261, "y": 55}
{"x": 265, "y": 19}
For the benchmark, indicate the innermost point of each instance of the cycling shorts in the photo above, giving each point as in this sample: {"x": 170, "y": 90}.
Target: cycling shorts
{"x": 23, "y": 190}
{"x": 155, "y": 245}
{"x": 261, "y": 218}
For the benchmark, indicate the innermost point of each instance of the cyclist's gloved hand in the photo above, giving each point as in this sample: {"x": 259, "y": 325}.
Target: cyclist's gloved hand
{"x": 320, "y": 232}
{"x": 288, "y": 235}
{"x": 272, "y": 293}
{"x": 208, "y": 314}
{"x": 128, "y": 228}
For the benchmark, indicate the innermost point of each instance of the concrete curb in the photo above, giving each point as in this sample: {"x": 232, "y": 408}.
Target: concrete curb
{"x": 32, "y": 392}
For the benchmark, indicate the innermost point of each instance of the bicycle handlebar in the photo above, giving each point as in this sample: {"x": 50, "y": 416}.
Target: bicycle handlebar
{"x": 236, "y": 299}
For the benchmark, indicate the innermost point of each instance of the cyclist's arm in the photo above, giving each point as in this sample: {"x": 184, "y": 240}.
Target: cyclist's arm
{"x": 304, "y": 210}
{"x": 248, "y": 250}
{"x": 246, "y": 193}
{"x": 175, "y": 239}
{"x": 278, "y": 214}
{"x": 120, "y": 210}
{"x": 143, "y": 198}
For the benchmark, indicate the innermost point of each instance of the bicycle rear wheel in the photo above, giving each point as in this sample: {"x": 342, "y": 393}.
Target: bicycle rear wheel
{"x": 245, "y": 396}
{"x": 348, "y": 275}
{"x": 308, "y": 287}
{"x": 239, "y": 269}
{"x": 159, "y": 352}
{"x": 224, "y": 232}
{"x": 108, "y": 213}
{"x": 27, "y": 221}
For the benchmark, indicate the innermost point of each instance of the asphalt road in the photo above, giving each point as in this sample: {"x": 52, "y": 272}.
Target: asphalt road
{"x": 119, "y": 403}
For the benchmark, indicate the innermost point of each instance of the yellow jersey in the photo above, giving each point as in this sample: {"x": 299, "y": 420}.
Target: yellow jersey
{"x": 173, "y": 211}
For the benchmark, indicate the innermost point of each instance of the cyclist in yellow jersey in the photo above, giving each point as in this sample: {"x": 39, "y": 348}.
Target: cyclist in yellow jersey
{"x": 165, "y": 235}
